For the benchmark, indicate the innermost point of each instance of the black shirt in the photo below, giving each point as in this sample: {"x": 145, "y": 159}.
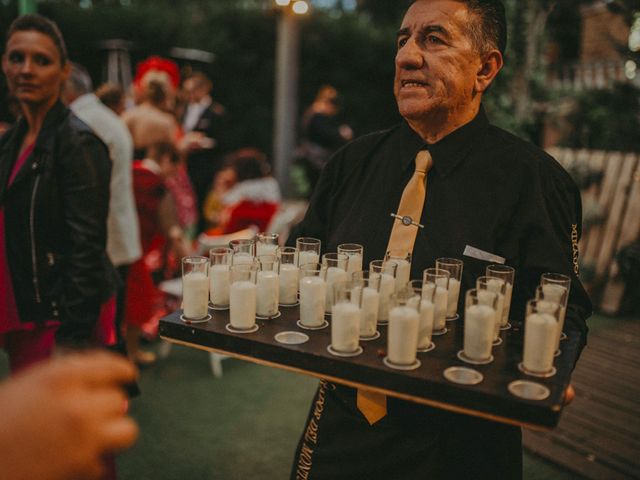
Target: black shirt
{"x": 487, "y": 189}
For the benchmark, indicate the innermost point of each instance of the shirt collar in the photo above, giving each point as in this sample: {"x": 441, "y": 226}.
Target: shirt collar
{"x": 451, "y": 150}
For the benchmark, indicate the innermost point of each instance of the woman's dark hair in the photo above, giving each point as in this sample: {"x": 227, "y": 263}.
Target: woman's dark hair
{"x": 248, "y": 163}
{"x": 41, "y": 24}
{"x": 110, "y": 94}
{"x": 158, "y": 151}
{"x": 156, "y": 92}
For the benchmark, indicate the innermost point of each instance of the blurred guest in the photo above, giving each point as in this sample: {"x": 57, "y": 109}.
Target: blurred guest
{"x": 159, "y": 228}
{"x": 321, "y": 133}
{"x": 213, "y": 207}
{"x": 56, "y": 281}
{"x": 112, "y": 96}
{"x": 123, "y": 237}
{"x": 60, "y": 418}
{"x": 255, "y": 198}
{"x": 202, "y": 125}
{"x": 149, "y": 122}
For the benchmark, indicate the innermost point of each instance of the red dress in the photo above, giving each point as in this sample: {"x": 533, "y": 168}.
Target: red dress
{"x": 143, "y": 298}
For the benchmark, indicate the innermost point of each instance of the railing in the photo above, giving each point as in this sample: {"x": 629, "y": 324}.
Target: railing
{"x": 611, "y": 217}
{"x": 591, "y": 76}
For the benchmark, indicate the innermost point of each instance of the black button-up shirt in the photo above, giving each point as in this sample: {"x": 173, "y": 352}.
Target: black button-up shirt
{"x": 487, "y": 189}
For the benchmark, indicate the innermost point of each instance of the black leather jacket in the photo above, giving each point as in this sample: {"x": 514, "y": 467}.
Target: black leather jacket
{"x": 55, "y": 224}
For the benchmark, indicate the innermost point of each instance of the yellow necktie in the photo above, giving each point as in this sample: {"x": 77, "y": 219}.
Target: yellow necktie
{"x": 373, "y": 405}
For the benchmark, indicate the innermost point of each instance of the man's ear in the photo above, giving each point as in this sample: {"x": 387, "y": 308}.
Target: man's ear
{"x": 492, "y": 63}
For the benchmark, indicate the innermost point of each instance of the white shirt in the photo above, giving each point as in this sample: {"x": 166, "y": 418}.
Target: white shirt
{"x": 123, "y": 232}
{"x": 194, "y": 112}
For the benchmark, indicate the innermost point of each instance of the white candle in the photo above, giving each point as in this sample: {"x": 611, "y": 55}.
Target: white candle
{"x": 219, "y": 285}
{"x": 403, "y": 335}
{"x": 307, "y": 256}
{"x": 334, "y": 275}
{"x": 554, "y": 293}
{"x": 370, "y": 304}
{"x": 507, "y": 305}
{"x": 312, "y": 298}
{"x": 426, "y": 323}
{"x": 266, "y": 249}
{"x": 195, "y": 295}
{"x": 485, "y": 297}
{"x": 452, "y": 297}
{"x": 479, "y": 324}
{"x": 267, "y": 290}
{"x": 288, "y": 284}
{"x": 345, "y": 327}
{"x": 539, "y": 342}
{"x": 355, "y": 262}
{"x": 439, "y": 304}
{"x": 403, "y": 272}
{"x": 387, "y": 287}
{"x": 242, "y": 308}
{"x": 242, "y": 258}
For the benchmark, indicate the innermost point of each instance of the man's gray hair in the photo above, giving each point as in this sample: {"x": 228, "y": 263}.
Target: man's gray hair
{"x": 79, "y": 80}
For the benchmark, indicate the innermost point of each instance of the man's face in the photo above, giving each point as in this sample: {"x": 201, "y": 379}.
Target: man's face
{"x": 436, "y": 62}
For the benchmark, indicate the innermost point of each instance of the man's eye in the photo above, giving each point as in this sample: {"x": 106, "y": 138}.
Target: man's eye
{"x": 402, "y": 42}
{"x": 433, "y": 39}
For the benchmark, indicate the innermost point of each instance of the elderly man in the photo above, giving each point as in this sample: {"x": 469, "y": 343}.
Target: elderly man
{"x": 481, "y": 195}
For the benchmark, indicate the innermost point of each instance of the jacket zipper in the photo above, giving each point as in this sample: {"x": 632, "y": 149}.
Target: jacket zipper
{"x": 36, "y": 283}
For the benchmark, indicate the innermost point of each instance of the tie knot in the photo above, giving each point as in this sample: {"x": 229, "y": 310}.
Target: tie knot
{"x": 423, "y": 161}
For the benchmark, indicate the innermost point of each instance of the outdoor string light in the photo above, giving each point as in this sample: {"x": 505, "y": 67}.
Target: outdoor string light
{"x": 299, "y": 7}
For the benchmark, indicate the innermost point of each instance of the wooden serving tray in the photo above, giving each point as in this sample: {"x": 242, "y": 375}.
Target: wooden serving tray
{"x": 489, "y": 399}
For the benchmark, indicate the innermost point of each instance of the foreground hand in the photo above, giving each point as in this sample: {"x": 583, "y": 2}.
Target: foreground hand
{"x": 60, "y": 418}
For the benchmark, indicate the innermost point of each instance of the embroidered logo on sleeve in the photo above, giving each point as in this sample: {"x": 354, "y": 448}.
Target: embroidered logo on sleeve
{"x": 574, "y": 248}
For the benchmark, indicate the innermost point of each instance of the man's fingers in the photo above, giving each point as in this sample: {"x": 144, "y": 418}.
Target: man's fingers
{"x": 99, "y": 368}
{"x": 119, "y": 434}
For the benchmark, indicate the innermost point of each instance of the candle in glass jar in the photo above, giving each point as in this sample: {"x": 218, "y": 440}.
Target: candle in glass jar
{"x": 440, "y": 303}
{"x": 370, "y": 304}
{"x": 452, "y": 297}
{"x": 334, "y": 275}
{"x": 426, "y": 323}
{"x": 266, "y": 249}
{"x": 539, "y": 342}
{"x": 507, "y": 305}
{"x": 355, "y": 262}
{"x": 387, "y": 287}
{"x": 479, "y": 327}
{"x": 242, "y": 258}
{"x": 219, "y": 284}
{"x": 288, "y": 284}
{"x": 242, "y": 308}
{"x": 402, "y": 343}
{"x": 312, "y": 298}
{"x": 403, "y": 272}
{"x": 195, "y": 295}
{"x": 307, "y": 256}
{"x": 345, "y": 327}
{"x": 487, "y": 297}
{"x": 267, "y": 290}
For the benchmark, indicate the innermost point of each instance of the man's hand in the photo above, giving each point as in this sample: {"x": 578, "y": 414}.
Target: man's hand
{"x": 60, "y": 418}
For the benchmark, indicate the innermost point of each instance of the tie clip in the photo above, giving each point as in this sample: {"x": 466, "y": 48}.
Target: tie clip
{"x": 407, "y": 220}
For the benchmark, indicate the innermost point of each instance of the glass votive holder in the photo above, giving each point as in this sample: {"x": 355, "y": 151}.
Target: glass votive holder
{"x": 335, "y": 265}
{"x": 313, "y": 292}
{"x": 219, "y": 262}
{"x": 355, "y": 253}
{"x": 369, "y": 303}
{"x": 540, "y": 332}
{"x": 308, "y": 250}
{"x": 454, "y": 266}
{"x": 554, "y": 283}
{"x": 289, "y": 276}
{"x": 404, "y": 323}
{"x": 426, "y": 315}
{"x": 403, "y": 267}
{"x": 345, "y": 321}
{"x": 499, "y": 287}
{"x": 550, "y": 293}
{"x": 480, "y": 312}
{"x": 195, "y": 288}
{"x": 243, "y": 245}
{"x": 266, "y": 244}
{"x": 386, "y": 272}
{"x": 508, "y": 274}
{"x": 437, "y": 279}
{"x": 242, "y": 297}
{"x": 267, "y": 287}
